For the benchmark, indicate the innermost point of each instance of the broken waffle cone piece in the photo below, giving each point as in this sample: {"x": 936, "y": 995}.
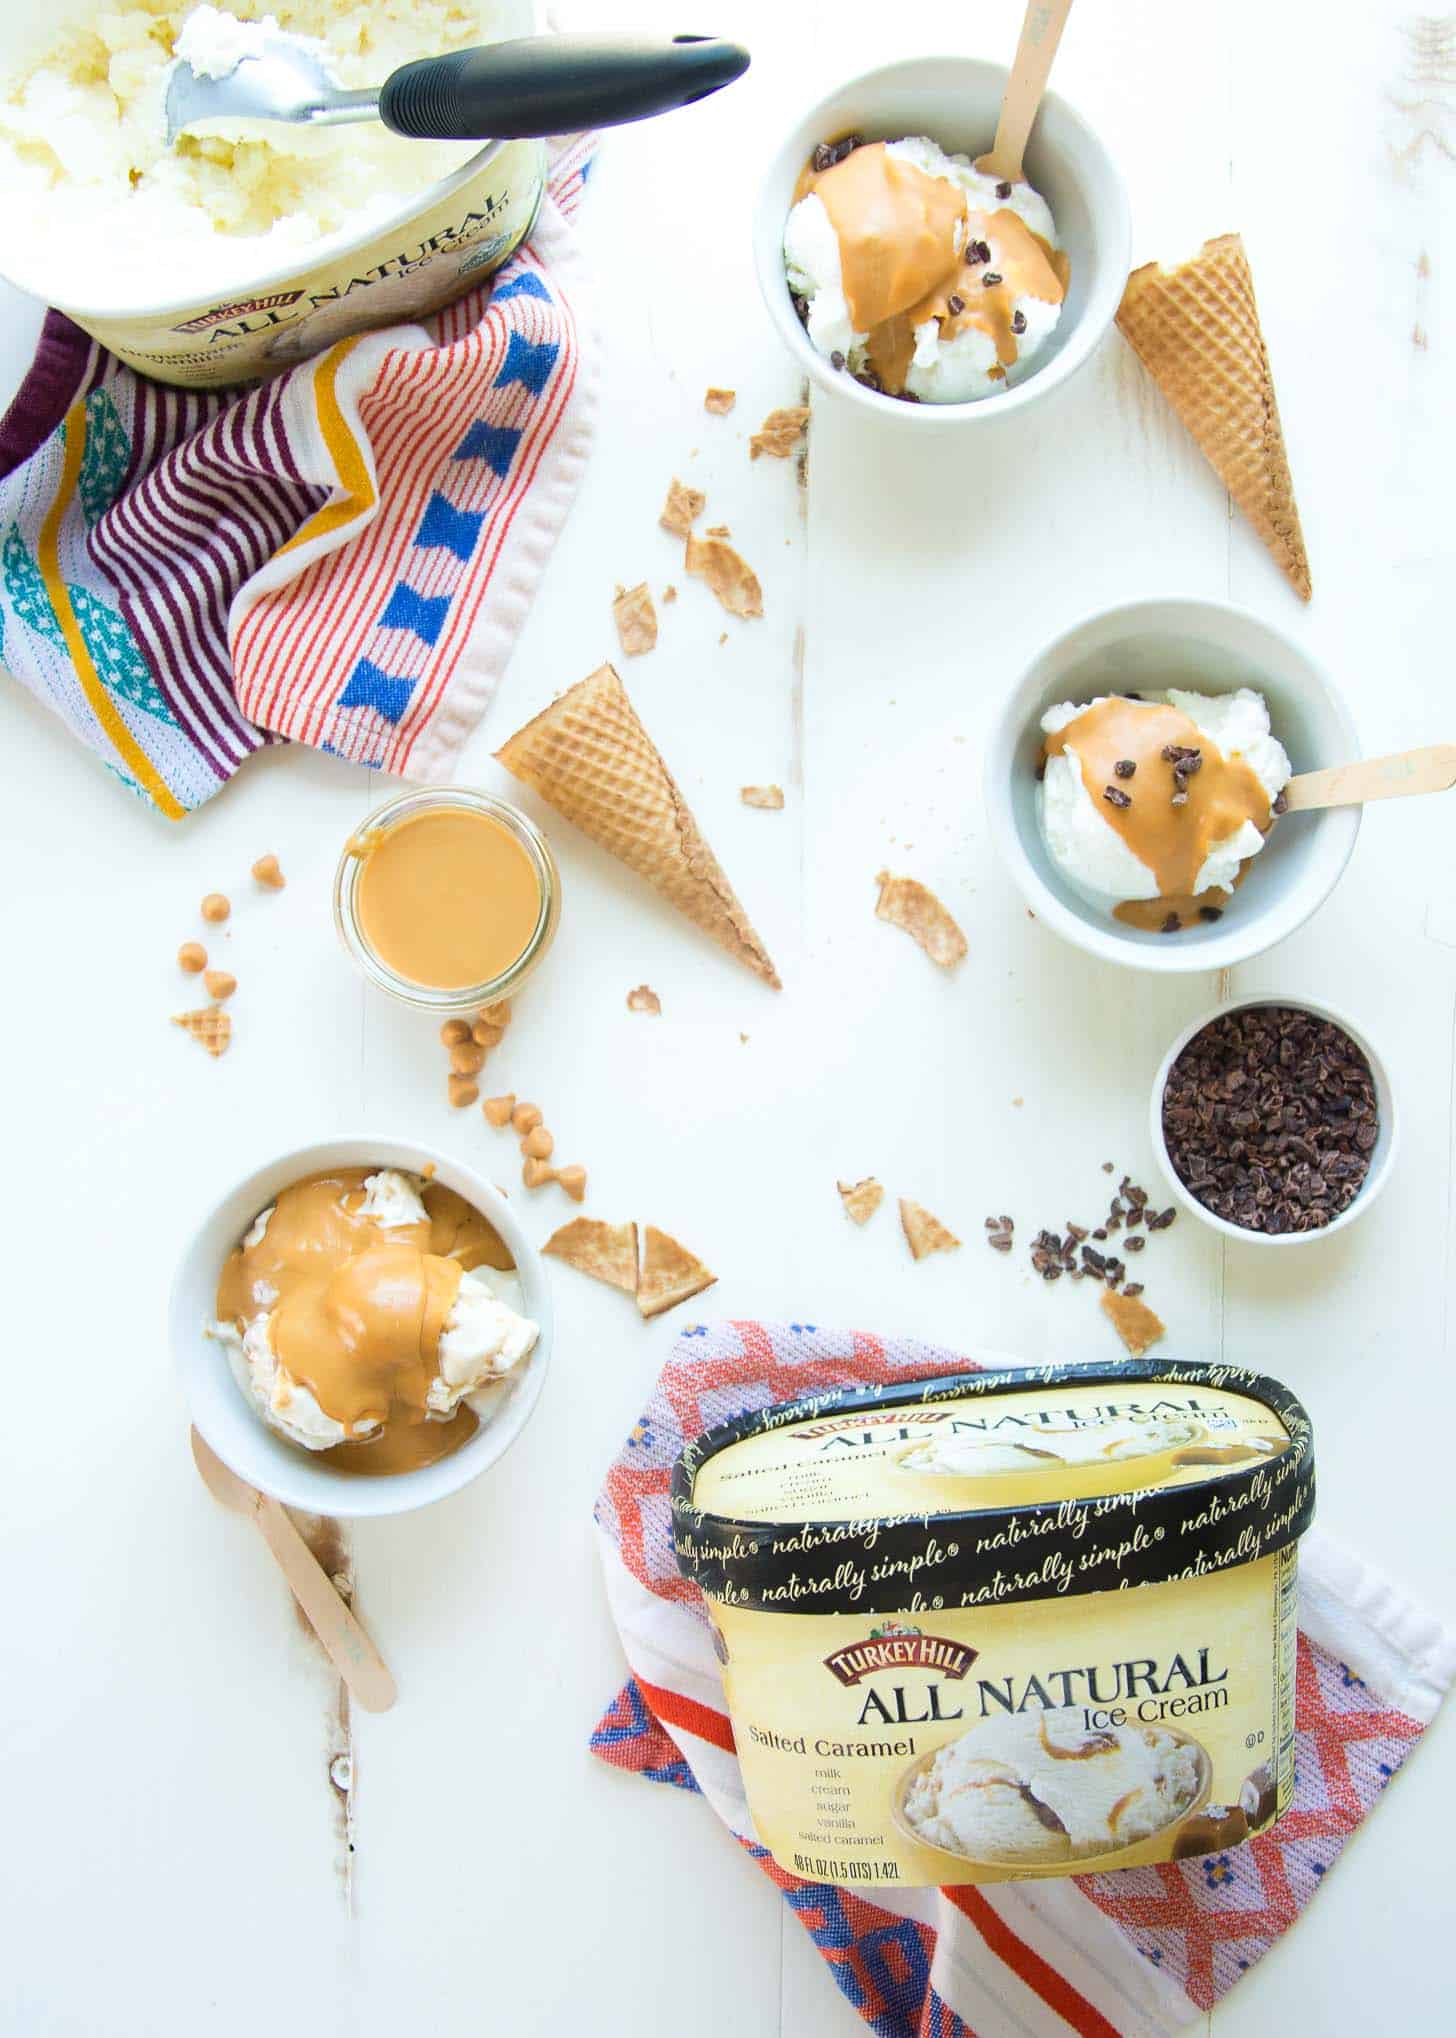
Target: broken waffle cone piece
{"x": 1138, "y": 1326}
{"x": 590, "y": 757}
{"x": 683, "y": 507}
{"x": 670, "y": 1274}
{"x": 861, "y": 1199}
{"x": 769, "y": 796}
{"x": 210, "y": 1027}
{"x": 720, "y": 401}
{"x": 643, "y": 999}
{"x": 606, "y": 1252}
{"x": 923, "y": 1233}
{"x": 779, "y": 433}
{"x": 1196, "y": 330}
{"x": 727, "y": 572}
{"x": 907, "y": 903}
{"x": 636, "y": 620}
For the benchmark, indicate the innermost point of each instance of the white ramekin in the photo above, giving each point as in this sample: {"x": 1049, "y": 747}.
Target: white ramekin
{"x": 955, "y": 100}
{"x": 1381, "y": 1158}
{"x": 241, "y": 1439}
{"x": 1209, "y": 646}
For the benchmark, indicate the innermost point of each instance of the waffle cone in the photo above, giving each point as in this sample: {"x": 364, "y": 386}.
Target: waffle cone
{"x": 1196, "y": 330}
{"x": 590, "y": 757}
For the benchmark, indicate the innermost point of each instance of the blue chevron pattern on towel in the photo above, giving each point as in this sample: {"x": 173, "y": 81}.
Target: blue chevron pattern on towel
{"x": 527, "y": 284}
{"x": 371, "y": 687}
{"x": 528, "y": 362}
{"x": 443, "y": 524}
{"x": 494, "y": 444}
{"x": 423, "y": 613}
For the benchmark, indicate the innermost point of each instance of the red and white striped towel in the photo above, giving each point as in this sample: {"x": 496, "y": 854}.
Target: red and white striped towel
{"x": 1140, "y": 1953}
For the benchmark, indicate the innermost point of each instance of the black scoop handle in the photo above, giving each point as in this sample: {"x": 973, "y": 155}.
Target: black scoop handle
{"x": 554, "y": 84}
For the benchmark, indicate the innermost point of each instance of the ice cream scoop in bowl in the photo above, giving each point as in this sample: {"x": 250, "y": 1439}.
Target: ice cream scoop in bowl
{"x": 1070, "y": 854}
{"x": 985, "y": 339}
{"x": 423, "y": 1319}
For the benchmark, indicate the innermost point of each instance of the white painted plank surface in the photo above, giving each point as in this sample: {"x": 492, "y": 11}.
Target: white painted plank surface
{"x": 167, "y": 1762}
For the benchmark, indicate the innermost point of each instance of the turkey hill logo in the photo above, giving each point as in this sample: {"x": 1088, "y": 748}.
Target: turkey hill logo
{"x": 892, "y": 1646}
{"x": 276, "y": 300}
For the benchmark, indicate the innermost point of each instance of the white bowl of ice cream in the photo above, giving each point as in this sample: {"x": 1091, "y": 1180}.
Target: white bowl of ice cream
{"x": 1195, "y": 842}
{"x": 1000, "y": 344}
{"x": 243, "y": 249}
{"x": 348, "y": 1328}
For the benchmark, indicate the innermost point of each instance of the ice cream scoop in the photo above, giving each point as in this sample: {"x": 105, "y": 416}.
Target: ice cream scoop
{"x": 371, "y": 1316}
{"x": 1151, "y": 805}
{"x": 917, "y": 273}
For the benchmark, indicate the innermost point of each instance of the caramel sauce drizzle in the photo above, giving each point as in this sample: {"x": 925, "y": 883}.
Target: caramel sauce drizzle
{"x": 1174, "y": 842}
{"x": 358, "y": 1310}
{"x": 904, "y": 239}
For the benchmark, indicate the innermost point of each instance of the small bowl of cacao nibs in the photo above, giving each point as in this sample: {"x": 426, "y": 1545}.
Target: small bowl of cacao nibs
{"x": 1274, "y": 1121}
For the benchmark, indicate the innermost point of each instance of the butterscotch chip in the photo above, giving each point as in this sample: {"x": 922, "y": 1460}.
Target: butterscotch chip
{"x": 467, "y": 1059}
{"x": 487, "y": 1036}
{"x": 720, "y": 401}
{"x": 215, "y": 909}
{"x": 643, "y": 999}
{"x": 729, "y": 575}
{"x": 221, "y": 983}
{"x": 498, "y": 1110}
{"x": 192, "y": 957}
{"x": 861, "y": 1199}
{"x": 538, "y": 1145}
{"x": 682, "y": 509}
{"x": 535, "y": 1174}
{"x": 462, "y": 1090}
{"x": 670, "y": 1273}
{"x": 606, "y": 1252}
{"x": 498, "y": 1014}
{"x": 769, "y": 796}
{"x": 210, "y": 1028}
{"x": 779, "y": 433}
{"x": 924, "y": 1233}
{"x": 1138, "y": 1326}
{"x": 907, "y": 903}
{"x": 454, "y": 1032}
{"x": 573, "y": 1180}
{"x": 636, "y": 620}
{"x": 266, "y": 870}
{"x": 526, "y": 1116}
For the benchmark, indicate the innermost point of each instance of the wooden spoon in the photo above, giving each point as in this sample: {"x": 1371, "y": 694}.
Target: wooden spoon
{"x": 1432, "y": 770}
{"x": 1041, "y": 31}
{"x": 349, "y": 1649}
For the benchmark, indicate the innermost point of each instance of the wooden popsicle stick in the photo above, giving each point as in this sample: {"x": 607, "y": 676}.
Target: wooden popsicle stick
{"x": 1432, "y": 770}
{"x": 348, "y": 1648}
{"x": 1041, "y": 31}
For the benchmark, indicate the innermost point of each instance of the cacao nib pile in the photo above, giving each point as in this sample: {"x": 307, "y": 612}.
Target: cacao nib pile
{"x": 1270, "y": 1119}
{"x": 1054, "y": 1253}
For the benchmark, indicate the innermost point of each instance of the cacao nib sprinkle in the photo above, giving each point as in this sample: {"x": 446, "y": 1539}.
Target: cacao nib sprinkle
{"x": 1018, "y": 321}
{"x": 1115, "y": 797}
{"x": 991, "y": 278}
{"x": 1003, "y": 190}
{"x": 1125, "y": 767}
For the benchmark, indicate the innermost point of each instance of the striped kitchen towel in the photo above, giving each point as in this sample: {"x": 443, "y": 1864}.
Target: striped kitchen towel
{"x": 1139, "y": 1953}
{"x": 344, "y": 556}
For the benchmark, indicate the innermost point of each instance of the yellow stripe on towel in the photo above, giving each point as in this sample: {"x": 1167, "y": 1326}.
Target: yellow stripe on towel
{"x": 102, "y": 705}
{"x": 343, "y": 448}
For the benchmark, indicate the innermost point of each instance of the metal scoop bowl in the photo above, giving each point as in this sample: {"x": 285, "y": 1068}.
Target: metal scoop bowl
{"x": 505, "y": 91}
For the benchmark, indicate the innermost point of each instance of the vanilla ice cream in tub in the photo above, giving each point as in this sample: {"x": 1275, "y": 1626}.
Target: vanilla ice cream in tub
{"x": 1010, "y": 1622}
{"x": 233, "y": 255}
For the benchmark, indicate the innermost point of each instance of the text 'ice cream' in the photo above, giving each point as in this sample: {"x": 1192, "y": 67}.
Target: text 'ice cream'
{"x": 1042, "y": 1787}
{"x": 1150, "y": 806}
{"x": 372, "y": 1316}
{"x": 917, "y": 273}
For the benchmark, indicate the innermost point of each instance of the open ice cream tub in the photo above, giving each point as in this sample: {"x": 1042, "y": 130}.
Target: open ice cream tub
{"x": 1016, "y": 1622}
{"x": 256, "y": 302}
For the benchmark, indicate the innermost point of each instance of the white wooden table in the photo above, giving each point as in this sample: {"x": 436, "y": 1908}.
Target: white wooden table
{"x": 177, "y": 1859}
